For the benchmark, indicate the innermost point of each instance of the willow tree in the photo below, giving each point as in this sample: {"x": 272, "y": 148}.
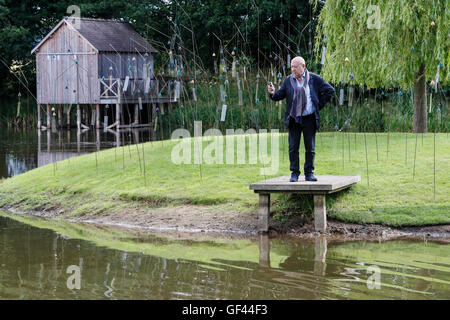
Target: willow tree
{"x": 400, "y": 43}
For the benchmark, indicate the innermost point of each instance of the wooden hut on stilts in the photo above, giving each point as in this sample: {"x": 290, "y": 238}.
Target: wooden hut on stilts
{"x": 101, "y": 64}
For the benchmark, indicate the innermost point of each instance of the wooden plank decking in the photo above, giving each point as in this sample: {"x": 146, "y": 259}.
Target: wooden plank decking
{"x": 320, "y": 188}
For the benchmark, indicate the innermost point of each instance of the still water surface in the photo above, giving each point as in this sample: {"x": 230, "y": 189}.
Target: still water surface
{"x": 36, "y": 255}
{"x": 23, "y": 150}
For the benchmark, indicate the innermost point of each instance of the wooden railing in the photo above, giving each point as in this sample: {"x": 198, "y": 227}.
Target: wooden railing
{"x": 115, "y": 88}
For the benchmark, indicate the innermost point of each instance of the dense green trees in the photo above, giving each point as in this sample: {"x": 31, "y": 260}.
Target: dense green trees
{"x": 403, "y": 36}
{"x": 387, "y": 43}
{"x": 244, "y": 23}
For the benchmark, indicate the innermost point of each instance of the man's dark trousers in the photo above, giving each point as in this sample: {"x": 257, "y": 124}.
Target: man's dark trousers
{"x": 308, "y": 126}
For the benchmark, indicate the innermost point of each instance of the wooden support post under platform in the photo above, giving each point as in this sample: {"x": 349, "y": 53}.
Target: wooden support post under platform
{"x": 59, "y": 115}
{"x": 117, "y": 114}
{"x": 48, "y": 117}
{"x": 320, "y": 213}
{"x": 78, "y": 140}
{"x": 85, "y": 118}
{"x": 39, "y": 141}
{"x": 93, "y": 118}
{"x": 59, "y": 139}
{"x": 319, "y": 189}
{"x": 78, "y": 117}
{"x": 136, "y": 114}
{"x": 81, "y": 115}
{"x": 68, "y": 116}
{"x": 97, "y": 116}
{"x": 152, "y": 128}
{"x": 39, "y": 124}
{"x": 97, "y": 139}
{"x": 264, "y": 212}
{"x": 118, "y": 106}
{"x": 49, "y": 140}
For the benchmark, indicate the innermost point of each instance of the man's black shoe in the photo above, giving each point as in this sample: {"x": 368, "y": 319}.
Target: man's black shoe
{"x": 294, "y": 177}
{"x": 310, "y": 177}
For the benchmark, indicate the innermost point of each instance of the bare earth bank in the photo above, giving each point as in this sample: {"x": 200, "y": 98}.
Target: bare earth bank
{"x": 205, "y": 220}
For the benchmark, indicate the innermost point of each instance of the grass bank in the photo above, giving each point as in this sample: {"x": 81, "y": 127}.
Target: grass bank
{"x": 405, "y": 180}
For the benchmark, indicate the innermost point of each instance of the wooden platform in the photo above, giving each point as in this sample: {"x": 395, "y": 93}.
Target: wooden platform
{"x": 320, "y": 188}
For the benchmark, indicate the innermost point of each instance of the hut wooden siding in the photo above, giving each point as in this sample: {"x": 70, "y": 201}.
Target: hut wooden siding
{"x": 70, "y": 62}
{"x": 142, "y": 66}
{"x": 117, "y": 65}
{"x": 67, "y": 69}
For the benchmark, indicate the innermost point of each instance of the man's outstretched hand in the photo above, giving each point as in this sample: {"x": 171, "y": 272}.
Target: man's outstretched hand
{"x": 270, "y": 89}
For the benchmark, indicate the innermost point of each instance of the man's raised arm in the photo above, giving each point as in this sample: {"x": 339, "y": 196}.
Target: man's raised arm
{"x": 278, "y": 95}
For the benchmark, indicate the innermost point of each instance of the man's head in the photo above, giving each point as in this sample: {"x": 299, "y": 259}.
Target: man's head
{"x": 298, "y": 66}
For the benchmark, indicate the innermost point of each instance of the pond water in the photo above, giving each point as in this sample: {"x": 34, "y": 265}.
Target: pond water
{"x": 45, "y": 259}
{"x": 23, "y": 150}
{"x": 42, "y": 259}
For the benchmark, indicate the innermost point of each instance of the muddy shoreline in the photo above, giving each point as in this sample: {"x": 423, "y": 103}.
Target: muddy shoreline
{"x": 206, "y": 222}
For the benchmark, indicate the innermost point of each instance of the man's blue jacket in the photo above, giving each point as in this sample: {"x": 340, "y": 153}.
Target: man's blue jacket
{"x": 320, "y": 92}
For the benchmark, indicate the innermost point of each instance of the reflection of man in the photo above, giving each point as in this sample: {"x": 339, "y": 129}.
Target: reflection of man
{"x": 306, "y": 93}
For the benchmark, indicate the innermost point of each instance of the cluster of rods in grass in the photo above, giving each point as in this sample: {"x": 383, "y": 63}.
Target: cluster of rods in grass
{"x": 232, "y": 93}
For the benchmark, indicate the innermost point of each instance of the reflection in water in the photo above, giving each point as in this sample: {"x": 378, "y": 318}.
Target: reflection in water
{"x": 34, "y": 264}
{"x": 21, "y": 151}
{"x": 320, "y": 249}
{"x": 264, "y": 251}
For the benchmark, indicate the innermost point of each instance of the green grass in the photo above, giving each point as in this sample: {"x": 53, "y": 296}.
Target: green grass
{"x": 387, "y": 194}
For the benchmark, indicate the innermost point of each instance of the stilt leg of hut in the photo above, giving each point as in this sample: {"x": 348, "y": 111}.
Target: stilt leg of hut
{"x": 59, "y": 139}
{"x": 93, "y": 118}
{"x": 161, "y": 112}
{"x": 39, "y": 141}
{"x": 97, "y": 116}
{"x": 39, "y": 116}
{"x": 136, "y": 114}
{"x": 117, "y": 134}
{"x": 85, "y": 119}
{"x": 97, "y": 131}
{"x": 48, "y": 117}
{"x": 88, "y": 115}
{"x": 48, "y": 141}
{"x": 118, "y": 114}
{"x": 78, "y": 139}
{"x": 59, "y": 115}
{"x": 68, "y": 116}
{"x": 78, "y": 117}
{"x": 152, "y": 127}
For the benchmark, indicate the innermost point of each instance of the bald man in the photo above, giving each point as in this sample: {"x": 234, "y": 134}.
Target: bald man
{"x": 306, "y": 94}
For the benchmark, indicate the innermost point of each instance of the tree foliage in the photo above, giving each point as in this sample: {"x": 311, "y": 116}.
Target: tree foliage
{"x": 246, "y": 24}
{"x": 383, "y": 42}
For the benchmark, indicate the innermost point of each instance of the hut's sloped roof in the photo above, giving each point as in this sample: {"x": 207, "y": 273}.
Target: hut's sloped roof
{"x": 108, "y": 35}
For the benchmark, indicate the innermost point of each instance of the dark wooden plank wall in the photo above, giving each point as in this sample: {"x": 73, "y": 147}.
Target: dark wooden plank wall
{"x": 123, "y": 65}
